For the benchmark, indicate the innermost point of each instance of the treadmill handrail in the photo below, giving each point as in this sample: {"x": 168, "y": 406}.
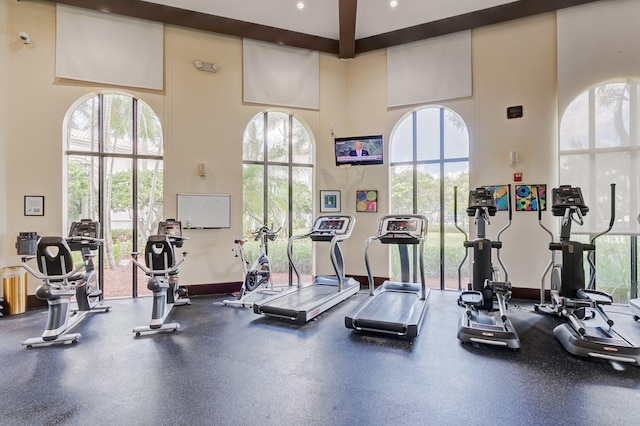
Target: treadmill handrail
{"x": 340, "y": 274}
{"x": 421, "y": 240}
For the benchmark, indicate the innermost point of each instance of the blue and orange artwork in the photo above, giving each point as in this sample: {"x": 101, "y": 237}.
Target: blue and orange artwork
{"x": 500, "y": 196}
{"x": 527, "y": 197}
{"x": 367, "y": 201}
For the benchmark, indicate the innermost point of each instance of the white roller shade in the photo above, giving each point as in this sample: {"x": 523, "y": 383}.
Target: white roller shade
{"x": 430, "y": 70}
{"x": 109, "y": 49}
{"x": 280, "y": 75}
{"x": 597, "y": 42}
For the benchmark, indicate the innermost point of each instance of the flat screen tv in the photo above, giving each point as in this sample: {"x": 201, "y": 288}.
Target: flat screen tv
{"x": 359, "y": 150}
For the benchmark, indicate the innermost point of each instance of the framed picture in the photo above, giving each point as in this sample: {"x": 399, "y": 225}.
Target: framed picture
{"x": 34, "y": 205}
{"x": 329, "y": 201}
{"x": 527, "y": 197}
{"x": 367, "y": 201}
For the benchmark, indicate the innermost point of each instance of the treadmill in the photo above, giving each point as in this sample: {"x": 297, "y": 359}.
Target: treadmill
{"x": 309, "y": 301}
{"x": 395, "y": 308}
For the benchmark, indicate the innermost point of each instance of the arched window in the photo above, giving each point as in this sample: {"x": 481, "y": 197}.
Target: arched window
{"x": 599, "y": 145}
{"x": 429, "y": 156}
{"x": 277, "y": 186}
{"x": 114, "y": 174}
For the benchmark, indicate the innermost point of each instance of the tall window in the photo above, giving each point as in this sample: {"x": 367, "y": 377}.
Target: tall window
{"x": 114, "y": 174}
{"x": 429, "y": 156}
{"x": 599, "y": 145}
{"x": 277, "y": 187}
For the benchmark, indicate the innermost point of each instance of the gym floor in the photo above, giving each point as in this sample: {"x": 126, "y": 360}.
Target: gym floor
{"x": 229, "y": 366}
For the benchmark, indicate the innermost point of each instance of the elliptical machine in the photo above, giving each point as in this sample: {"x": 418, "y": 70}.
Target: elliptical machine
{"x": 634, "y": 304}
{"x": 62, "y": 282}
{"x": 479, "y": 323}
{"x": 161, "y": 269}
{"x": 569, "y": 297}
{"x": 257, "y": 277}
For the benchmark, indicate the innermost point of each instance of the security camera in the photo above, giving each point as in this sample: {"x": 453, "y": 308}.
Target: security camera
{"x": 26, "y": 39}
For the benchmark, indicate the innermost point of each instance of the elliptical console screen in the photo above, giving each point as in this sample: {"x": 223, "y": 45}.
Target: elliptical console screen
{"x": 172, "y": 228}
{"x": 567, "y": 196}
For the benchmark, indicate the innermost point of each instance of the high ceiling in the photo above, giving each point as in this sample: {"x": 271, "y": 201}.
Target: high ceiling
{"x": 342, "y": 27}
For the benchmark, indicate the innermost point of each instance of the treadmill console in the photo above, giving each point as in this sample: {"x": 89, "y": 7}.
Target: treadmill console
{"x": 567, "y": 196}
{"x": 326, "y": 227}
{"x": 402, "y": 229}
{"x": 481, "y": 198}
{"x": 79, "y": 233}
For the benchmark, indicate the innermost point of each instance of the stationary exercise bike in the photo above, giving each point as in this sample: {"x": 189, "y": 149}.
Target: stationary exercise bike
{"x": 257, "y": 277}
{"x": 570, "y": 298}
{"x": 161, "y": 269}
{"x": 62, "y": 282}
{"x": 479, "y": 323}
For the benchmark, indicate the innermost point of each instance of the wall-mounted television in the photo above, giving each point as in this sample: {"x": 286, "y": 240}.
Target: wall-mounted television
{"x": 359, "y": 150}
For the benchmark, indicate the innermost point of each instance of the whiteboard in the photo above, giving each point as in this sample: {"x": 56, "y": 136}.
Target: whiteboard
{"x": 204, "y": 210}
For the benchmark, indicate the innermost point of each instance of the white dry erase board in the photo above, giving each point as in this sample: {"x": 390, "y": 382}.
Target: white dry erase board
{"x": 204, "y": 210}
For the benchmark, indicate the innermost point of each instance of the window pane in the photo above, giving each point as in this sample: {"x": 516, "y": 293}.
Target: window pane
{"x": 253, "y": 139}
{"x": 401, "y": 189}
{"x": 253, "y": 196}
{"x": 118, "y": 124}
{"x": 302, "y": 147}
{"x": 402, "y": 141}
{"x": 82, "y": 188}
{"x": 612, "y": 115}
{"x": 613, "y": 266}
{"x": 455, "y": 174}
{"x": 429, "y": 205}
{"x": 150, "y": 198}
{"x": 456, "y": 136}
{"x": 278, "y": 202}
{"x": 278, "y": 137}
{"x": 574, "y": 129}
{"x": 428, "y": 134}
{"x": 83, "y": 127}
{"x": 118, "y": 227}
{"x": 149, "y": 131}
{"x": 302, "y": 220}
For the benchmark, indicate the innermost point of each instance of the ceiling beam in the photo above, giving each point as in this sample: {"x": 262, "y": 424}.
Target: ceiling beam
{"x": 467, "y": 21}
{"x": 347, "y": 11}
{"x": 202, "y": 21}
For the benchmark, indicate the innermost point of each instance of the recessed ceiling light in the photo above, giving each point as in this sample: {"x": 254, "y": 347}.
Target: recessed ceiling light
{"x": 300, "y": 5}
{"x": 393, "y": 3}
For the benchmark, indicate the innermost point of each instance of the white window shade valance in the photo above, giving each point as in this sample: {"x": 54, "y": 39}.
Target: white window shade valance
{"x": 431, "y": 70}
{"x": 280, "y": 75}
{"x": 597, "y": 42}
{"x": 109, "y": 49}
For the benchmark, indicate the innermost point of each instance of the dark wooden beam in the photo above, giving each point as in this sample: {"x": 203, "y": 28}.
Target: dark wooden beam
{"x": 347, "y": 10}
{"x": 202, "y": 21}
{"x": 490, "y": 16}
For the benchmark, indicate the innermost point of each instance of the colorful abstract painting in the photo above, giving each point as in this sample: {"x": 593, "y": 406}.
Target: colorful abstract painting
{"x": 500, "y": 196}
{"x": 527, "y": 200}
{"x": 367, "y": 201}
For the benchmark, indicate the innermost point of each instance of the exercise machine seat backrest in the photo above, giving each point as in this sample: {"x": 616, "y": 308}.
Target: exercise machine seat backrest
{"x": 159, "y": 254}
{"x": 54, "y": 257}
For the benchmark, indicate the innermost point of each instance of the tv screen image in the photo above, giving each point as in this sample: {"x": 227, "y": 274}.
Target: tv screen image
{"x": 359, "y": 150}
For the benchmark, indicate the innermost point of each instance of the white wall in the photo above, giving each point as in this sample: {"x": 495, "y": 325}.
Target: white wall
{"x": 204, "y": 118}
